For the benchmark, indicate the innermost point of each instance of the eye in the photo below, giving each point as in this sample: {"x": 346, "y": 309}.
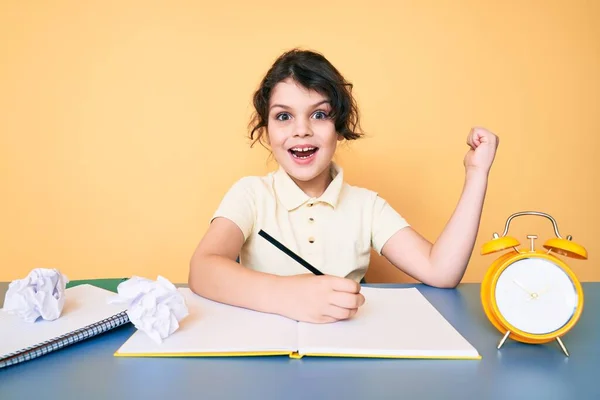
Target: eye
{"x": 282, "y": 117}
{"x": 321, "y": 115}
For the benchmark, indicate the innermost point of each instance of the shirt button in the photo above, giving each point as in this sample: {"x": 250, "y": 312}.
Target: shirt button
{"x": 311, "y": 219}
{"x": 311, "y": 239}
{"x": 309, "y": 205}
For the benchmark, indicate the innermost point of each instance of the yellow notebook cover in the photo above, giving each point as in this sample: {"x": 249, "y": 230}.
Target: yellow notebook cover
{"x": 393, "y": 323}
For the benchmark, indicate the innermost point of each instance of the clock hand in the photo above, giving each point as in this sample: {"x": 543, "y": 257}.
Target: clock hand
{"x": 536, "y": 295}
{"x": 522, "y": 287}
{"x": 544, "y": 290}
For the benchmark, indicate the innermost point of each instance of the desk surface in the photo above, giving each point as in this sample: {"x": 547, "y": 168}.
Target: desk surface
{"x": 517, "y": 371}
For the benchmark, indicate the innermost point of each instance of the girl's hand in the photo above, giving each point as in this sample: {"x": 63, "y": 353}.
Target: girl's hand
{"x": 483, "y": 145}
{"x": 319, "y": 298}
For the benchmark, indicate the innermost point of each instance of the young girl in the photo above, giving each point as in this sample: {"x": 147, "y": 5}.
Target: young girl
{"x": 304, "y": 107}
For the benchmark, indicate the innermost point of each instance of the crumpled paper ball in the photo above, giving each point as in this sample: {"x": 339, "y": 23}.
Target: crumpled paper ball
{"x": 40, "y": 294}
{"x": 154, "y": 307}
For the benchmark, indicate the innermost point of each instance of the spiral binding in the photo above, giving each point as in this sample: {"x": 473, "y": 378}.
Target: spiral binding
{"x": 70, "y": 338}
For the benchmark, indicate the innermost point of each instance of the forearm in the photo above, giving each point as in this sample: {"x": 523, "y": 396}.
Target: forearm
{"x": 451, "y": 252}
{"x": 221, "y": 279}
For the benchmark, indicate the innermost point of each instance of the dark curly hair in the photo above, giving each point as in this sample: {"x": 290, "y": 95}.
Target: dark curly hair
{"x": 312, "y": 71}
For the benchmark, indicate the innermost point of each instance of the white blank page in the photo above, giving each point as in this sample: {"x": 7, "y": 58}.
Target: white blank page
{"x": 212, "y": 327}
{"x": 393, "y": 322}
{"x": 84, "y": 305}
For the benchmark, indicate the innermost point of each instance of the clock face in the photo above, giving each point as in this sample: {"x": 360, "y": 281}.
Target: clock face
{"x": 536, "y": 296}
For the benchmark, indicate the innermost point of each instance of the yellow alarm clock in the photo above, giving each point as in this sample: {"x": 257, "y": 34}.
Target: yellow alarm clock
{"x": 531, "y": 295}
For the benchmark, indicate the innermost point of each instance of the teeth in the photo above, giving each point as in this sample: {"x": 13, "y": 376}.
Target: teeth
{"x": 303, "y": 149}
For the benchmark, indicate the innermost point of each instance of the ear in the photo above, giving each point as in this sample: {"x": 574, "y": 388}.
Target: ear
{"x": 340, "y": 137}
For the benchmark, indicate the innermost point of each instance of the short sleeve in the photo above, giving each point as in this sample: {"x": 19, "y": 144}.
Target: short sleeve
{"x": 385, "y": 223}
{"x": 238, "y": 205}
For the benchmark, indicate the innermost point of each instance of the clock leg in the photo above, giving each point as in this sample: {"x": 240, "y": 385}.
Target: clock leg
{"x": 562, "y": 346}
{"x": 503, "y": 339}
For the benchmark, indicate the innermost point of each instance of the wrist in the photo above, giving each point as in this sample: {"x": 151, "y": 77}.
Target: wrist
{"x": 279, "y": 294}
{"x": 477, "y": 173}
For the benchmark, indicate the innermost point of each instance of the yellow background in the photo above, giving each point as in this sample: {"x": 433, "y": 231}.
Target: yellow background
{"x": 122, "y": 124}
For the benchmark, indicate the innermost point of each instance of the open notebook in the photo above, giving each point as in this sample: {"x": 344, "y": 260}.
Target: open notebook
{"x": 86, "y": 313}
{"x": 393, "y": 323}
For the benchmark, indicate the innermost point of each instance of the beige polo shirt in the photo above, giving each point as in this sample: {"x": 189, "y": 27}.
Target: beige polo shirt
{"x": 333, "y": 232}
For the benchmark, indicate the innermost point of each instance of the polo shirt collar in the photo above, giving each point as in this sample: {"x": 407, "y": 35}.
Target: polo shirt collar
{"x": 292, "y": 197}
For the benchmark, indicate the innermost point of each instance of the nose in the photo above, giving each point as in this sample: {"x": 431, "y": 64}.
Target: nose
{"x": 302, "y": 128}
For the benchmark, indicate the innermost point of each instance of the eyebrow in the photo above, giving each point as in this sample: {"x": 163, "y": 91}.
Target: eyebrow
{"x": 288, "y": 107}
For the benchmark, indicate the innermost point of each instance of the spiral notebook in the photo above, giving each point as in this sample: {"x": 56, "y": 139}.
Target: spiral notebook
{"x": 86, "y": 314}
{"x": 393, "y": 323}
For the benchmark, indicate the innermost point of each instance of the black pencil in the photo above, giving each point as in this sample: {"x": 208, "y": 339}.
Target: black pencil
{"x": 290, "y": 253}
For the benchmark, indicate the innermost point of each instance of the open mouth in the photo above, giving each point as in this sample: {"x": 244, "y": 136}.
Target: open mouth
{"x": 303, "y": 153}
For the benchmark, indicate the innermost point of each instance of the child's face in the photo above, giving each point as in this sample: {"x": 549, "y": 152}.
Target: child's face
{"x": 301, "y": 134}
